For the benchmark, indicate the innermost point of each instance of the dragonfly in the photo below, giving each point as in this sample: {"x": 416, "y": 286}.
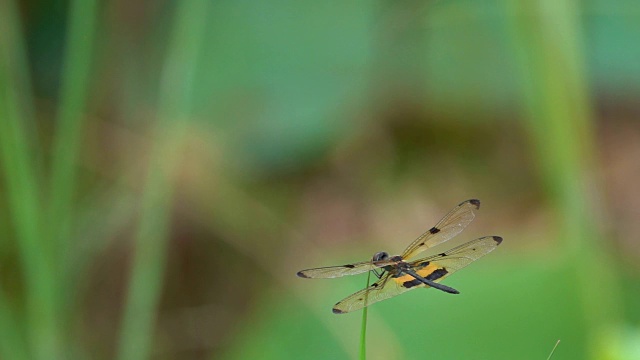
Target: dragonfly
{"x": 398, "y": 274}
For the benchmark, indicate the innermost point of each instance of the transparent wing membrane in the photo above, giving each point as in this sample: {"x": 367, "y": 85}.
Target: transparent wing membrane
{"x": 399, "y": 275}
{"x": 451, "y": 225}
{"x": 343, "y": 270}
{"x": 435, "y": 268}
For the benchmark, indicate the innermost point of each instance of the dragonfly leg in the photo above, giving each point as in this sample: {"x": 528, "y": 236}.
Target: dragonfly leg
{"x": 378, "y": 274}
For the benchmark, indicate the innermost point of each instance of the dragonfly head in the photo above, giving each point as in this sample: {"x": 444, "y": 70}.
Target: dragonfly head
{"x": 380, "y": 256}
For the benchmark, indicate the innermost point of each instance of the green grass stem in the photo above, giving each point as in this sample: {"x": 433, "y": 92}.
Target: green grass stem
{"x": 553, "y": 350}
{"x": 68, "y": 131}
{"x": 12, "y": 342}
{"x": 548, "y": 48}
{"x": 176, "y": 95}
{"x": 363, "y": 328}
{"x": 21, "y": 171}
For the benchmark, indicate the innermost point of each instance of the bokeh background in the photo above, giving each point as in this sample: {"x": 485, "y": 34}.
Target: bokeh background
{"x": 168, "y": 166}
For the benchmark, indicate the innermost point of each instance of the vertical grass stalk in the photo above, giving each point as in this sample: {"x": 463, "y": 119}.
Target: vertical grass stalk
{"x": 176, "y": 95}
{"x": 363, "y": 328}
{"x": 553, "y": 350}
{"x": 68, "y": 131}
{"x": 20, "y": 170}
{"x": 67, "y": 139}
{"x": 12, "y": 342}
{"x": 547, "y": 44}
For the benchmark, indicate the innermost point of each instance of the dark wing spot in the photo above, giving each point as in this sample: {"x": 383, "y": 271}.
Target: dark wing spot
{"x": 349, "y": 266}
{"x": 301, "y": 274}
{"x": 475, "y": 202}
{"x": 337, "y": 311}
{"x": 375, "y": 285}
{"x": 422, "y": 243}
{"x": 442, "y": 254}
{"x": 424, "y": 264}
{"x": 434, "y": 230}
{"x": 411, "y": 283}
{"x": 497, "y": 239}
{"x": 437, "y": 274}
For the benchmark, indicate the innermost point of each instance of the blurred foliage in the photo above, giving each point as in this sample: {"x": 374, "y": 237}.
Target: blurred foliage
{"x": 167, "y": 166}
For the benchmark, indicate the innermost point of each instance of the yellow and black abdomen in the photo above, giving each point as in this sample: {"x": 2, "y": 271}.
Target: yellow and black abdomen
{"x": 427, "y": 270}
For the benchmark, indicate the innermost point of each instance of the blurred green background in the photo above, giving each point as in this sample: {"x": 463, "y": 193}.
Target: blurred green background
{"x": 167, "y": 166}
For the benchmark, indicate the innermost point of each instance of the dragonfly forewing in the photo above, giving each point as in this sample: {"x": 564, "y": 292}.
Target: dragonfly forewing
{"x": 451, "y": 225}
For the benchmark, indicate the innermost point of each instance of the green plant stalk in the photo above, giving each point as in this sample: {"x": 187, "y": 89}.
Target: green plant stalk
{"x": 20, "y": 171}
{"x": 176, "y": 93}
{"x": 547, "y": 47}
{"x": 553, "y": 350}
{"x": 13, "y": 46}
{"x": 363, "y": 328}
{"x": 68, "y": 132}
{"x": 23, "y": 201}
{"x": 66, "y": 148}
{"x": 9, "y": 349}
{"x": 12, "y": 343}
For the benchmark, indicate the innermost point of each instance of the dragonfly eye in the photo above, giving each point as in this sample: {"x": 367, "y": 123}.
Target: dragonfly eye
{"x": 380, "y": 256}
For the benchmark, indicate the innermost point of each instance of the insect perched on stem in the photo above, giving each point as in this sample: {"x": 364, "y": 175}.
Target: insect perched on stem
{"x": 396, "y": 275}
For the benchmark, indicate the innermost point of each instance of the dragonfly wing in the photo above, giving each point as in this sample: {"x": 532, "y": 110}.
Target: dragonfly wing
{"x": 383, "y": 289}
{"x": 439, "y": 266}
{"x": 450, "y": 225}
{"x": 342, "y": 270}
{"x": 434, "y": 268}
